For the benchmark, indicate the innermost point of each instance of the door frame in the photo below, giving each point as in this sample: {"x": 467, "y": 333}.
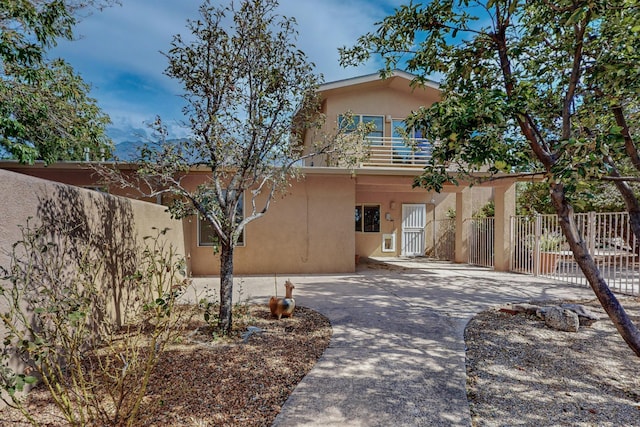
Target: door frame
{"x": 406, "y": 231}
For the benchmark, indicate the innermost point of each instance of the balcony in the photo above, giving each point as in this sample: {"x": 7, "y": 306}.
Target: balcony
{"x": 393, "y": 152}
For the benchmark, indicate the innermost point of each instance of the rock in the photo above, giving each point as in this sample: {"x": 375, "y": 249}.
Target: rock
{"x": 514, "y": 309}
{"x": 561, "y": 319}
{"x": 529, "y": 309}
{"x": 541, "y": 312}
{"x": 585, "y": 316}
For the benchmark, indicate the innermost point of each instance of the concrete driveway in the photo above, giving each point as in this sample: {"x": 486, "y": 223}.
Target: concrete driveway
{"x": 397, "y": 354}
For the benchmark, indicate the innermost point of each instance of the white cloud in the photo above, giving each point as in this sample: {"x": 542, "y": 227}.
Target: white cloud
{"x": 323, "y": 29}
{"x": 118, "y": 50}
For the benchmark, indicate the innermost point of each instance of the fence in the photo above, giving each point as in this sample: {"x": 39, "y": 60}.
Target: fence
{"x": 481, "y": 241}
{"x": 539, "y": 248}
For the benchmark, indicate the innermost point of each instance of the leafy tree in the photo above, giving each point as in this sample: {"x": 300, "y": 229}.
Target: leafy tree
{"x": 534, "y": 198}
{"x": 545, "y": 86}
{"x": 250, "y": 95}
{"x": 45, "y": 109}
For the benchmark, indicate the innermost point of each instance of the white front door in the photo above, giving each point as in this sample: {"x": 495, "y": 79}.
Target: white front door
{"x": 414, "y": 220}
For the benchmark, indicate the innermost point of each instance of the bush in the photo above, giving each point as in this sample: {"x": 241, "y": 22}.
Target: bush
{"x": 60, "y": 328}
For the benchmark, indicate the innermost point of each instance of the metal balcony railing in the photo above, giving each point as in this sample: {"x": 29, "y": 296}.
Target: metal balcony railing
{"x": 385, "y": 152}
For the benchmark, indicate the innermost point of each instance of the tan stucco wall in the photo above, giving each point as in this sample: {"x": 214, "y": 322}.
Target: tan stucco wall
{"x": 115, "y": 225}
{"x": 310, "y": 229}
{"x": 389, "y": 98}
{"x": 307, "y": 230}
{"x": 119, "y": 223}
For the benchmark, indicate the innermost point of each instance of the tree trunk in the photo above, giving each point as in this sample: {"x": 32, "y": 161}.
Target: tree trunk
{"x": 626, "y": 328}
{"x": 226, "y": 289}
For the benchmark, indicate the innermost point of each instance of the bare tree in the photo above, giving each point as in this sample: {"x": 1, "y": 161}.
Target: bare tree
{"x": 250, "y": 96}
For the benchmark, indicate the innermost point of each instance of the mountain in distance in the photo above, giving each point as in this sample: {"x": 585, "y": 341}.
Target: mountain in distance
{"x": 125, "y": 133}
{"x": 130, "y": 150}
{"x": 128, "y": 140}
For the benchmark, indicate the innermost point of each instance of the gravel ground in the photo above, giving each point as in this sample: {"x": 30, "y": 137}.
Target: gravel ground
{"x": 221, "y": 383}
{"x": 520, "y": 372}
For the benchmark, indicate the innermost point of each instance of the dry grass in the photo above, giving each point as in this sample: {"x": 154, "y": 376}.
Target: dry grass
{"x": 224, "y": 382}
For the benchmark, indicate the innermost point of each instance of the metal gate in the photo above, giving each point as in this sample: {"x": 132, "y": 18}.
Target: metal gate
{"x": 539, "y": 248}
{"x": 481, "y": 247}
{"x": 414, "y": 221}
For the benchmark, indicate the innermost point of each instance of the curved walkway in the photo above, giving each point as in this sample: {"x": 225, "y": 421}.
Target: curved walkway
{"x": 397, "y": 354}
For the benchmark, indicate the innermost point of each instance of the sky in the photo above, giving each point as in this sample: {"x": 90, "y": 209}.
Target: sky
{"x": 118, "y": 52}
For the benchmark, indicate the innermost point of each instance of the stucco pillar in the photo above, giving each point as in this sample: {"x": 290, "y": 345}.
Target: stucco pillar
{"x": 504, "y": 198}
{"x": 463, "y": 213}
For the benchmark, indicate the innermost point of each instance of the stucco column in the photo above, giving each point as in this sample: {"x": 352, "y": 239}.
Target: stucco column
{"x": 504, "y": 198}
{"x": 463, "y": 213}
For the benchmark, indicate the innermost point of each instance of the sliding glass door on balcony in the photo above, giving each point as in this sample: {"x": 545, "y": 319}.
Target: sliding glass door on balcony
{"x": 403, "y": 153}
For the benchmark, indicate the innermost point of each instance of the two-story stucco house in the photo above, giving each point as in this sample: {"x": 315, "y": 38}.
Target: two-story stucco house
{"x": 333, "y": 214}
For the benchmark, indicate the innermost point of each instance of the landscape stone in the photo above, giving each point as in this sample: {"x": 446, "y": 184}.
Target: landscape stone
{"x": 561, "y": 319}
{"x": 585, "y": 316}
{"x": 514, "y": 309}
{"x": 541, "y": 312}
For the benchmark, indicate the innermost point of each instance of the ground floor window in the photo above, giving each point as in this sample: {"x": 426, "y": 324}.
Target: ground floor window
{"x": 207, "y": 235}
{"x": 368, "y": 218}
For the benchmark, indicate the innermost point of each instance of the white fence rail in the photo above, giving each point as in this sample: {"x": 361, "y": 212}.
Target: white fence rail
{"x": 539, "y": 248}
{"x": 481, "y": 241}
{"x": 385, "y": 151}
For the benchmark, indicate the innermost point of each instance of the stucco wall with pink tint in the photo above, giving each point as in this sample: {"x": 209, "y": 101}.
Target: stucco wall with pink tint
{"x": 307, "y": 230}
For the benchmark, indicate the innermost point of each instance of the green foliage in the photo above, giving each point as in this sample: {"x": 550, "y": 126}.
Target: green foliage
{"x": 45, "y": 109}
{"x": 551, "y": 242}
{"x": 546, "y": 87}
{"x": 58, "y": 327}
{"x": 451, "y": 213}
{"x": 534, "y": 198}
{"x": 486, "y": 211}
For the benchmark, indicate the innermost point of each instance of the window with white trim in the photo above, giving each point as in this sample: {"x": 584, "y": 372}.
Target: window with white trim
{"x": 378, "y": 124}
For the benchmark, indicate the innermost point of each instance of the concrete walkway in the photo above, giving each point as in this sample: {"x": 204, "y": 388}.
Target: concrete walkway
{"x": 397, "y": 354}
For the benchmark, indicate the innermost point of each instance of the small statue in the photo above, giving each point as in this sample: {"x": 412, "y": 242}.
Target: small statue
{"x": 283, "y": 306}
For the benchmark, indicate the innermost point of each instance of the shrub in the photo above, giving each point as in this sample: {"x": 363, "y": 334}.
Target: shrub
{"x": 60, "y": 328}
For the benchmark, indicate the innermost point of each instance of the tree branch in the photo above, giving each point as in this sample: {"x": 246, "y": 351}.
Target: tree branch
{"x": 575, "y": 76}
{"x": 629, "y": 145}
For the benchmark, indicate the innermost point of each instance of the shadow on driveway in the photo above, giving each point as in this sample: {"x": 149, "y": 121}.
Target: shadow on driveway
{"x": 397, "y": 354}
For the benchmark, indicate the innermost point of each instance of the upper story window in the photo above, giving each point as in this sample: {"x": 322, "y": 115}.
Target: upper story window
{"x": 377, "y": 121}
{"x": 368, "y": 218}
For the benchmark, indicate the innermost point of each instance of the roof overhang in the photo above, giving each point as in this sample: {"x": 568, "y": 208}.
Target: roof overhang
{"x": 373, "y": 78}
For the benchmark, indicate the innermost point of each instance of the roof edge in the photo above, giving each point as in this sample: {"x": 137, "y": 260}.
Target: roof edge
{"x": 374, "y": 77}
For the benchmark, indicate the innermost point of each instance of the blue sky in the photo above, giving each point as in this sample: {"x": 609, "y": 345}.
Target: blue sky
{"x": 117, "y": 51}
